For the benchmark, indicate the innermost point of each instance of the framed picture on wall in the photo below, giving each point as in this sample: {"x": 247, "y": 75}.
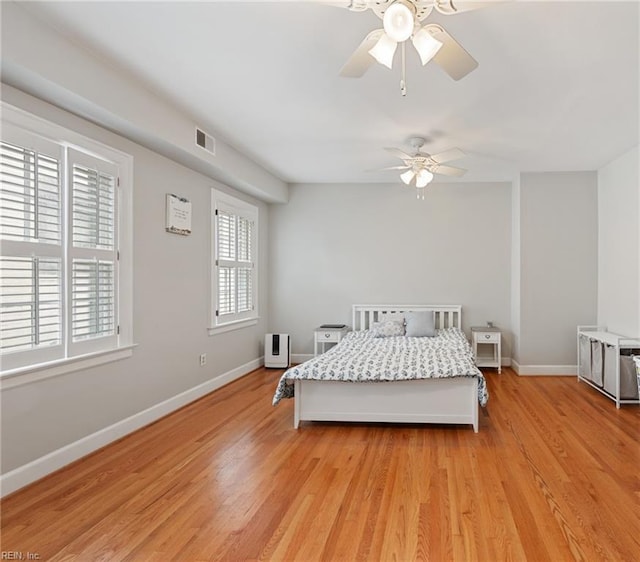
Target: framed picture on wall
{"x": 178, "y": 220}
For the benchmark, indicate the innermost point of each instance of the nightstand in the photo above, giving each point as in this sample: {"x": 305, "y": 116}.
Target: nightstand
{"x": 327, "y": 337}
{"x": 484, "y": 336}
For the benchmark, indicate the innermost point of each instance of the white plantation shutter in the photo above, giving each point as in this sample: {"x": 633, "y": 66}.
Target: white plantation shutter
{"x": 93, "y": 208}
{"x": 31, "y": 303}
{"x": 244, "y": 289}
{"x": 226, "y": 232}
{"x": 31, "y": 273}
{"x": 234, "y": 270}
{"x": 92, "y": 253}
{"x": 93, "y": 299}
{"x": 245, "y": 232}
{"x": 65, "y": 218}
{"x": 29, "y": 195}
{"x": 226, "y": 290}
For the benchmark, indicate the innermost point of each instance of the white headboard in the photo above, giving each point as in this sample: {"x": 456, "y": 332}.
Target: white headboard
{"x": 446, "y": 315}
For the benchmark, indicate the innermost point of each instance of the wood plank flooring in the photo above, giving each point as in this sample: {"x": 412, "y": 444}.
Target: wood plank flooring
{"x": 553, "y": 474}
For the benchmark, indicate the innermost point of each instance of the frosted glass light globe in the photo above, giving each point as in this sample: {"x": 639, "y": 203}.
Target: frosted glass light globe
{"x": 423, "y": 178}
{"x": 426, "y": 45}
{"x": 398, "y": 21}
{"x": 384, "y": 50}
{"x": 407, "y": 176}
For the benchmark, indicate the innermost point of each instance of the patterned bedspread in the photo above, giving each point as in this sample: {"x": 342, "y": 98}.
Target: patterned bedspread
{"x": 359, "y": 357}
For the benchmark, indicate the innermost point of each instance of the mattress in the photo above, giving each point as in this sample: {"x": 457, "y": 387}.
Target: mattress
{"x": 361, "y": 357}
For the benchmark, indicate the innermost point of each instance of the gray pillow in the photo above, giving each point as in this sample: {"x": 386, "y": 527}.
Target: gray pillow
{"x": 420, "y": 324}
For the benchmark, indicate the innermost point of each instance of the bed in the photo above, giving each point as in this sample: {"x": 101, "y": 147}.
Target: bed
{"x": 382, "y": 379}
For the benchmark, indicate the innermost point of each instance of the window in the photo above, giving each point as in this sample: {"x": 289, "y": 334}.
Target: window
{"x": 234, "y": 263}
{"x": 61, "y": 279}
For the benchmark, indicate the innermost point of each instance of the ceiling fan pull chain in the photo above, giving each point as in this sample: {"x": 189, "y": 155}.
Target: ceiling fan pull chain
{"x": 403, "y": 81}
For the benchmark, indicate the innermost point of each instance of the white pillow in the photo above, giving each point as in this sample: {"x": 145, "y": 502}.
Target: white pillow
{"x": 391, "y": 317}
{"x": 420, "y": 324}
{"x": 387, "y": 329}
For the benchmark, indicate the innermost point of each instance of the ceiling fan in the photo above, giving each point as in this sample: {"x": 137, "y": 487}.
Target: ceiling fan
{"x": 420, "y": 167}
{"x": 402, "y": 21}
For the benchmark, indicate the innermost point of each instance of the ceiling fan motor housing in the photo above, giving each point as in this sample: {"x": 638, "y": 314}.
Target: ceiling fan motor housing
{"x": 417, "y": 142}
{"x": 422, "y": 8}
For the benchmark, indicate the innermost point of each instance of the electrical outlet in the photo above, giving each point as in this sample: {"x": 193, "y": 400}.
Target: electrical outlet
{"x": 203, "y": 359}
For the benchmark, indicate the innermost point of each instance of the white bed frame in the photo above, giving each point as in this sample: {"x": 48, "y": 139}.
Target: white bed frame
{"x": 443, "y": 401}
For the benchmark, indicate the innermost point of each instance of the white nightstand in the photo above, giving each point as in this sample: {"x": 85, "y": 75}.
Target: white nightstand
{"x": 483, "y": 335}
{"x": 324, "y": 337}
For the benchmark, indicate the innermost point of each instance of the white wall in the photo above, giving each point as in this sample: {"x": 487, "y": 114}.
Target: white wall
{"x": 171, "y": 312}
{"x": 55, "y": 69}
{"x": 335, "y": 245}
{"x": 558, "y": 266}
{"x": 619, "y": 245}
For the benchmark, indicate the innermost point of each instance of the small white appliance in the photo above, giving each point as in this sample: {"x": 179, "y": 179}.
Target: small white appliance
{"x": 277, "y": 351}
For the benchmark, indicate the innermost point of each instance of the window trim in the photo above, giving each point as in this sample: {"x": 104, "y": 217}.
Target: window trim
{"x": 52, "y": 132}
{"x": 57, "y": 367}
{"x": 246, "y": 209}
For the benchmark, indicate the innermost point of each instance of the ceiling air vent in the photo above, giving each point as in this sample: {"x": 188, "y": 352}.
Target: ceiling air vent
{"x": 205, "y": 141}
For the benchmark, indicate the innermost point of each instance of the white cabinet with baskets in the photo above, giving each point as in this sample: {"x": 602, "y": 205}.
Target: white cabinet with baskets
{"x": 605, "y": 363}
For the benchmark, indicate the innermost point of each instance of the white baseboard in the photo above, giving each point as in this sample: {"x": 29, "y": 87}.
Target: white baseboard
{"x": 545, "y": 370}
{"x": 38, "y": 468}
{"x": 301, "y": 357}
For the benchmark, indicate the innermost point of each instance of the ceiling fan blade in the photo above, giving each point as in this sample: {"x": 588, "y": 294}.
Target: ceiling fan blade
{"x": 448, "y": 155}
{"x": 448, "y": 170}
{"x": 360, "y": 61}
{"x": 397, "y": 152}
{"x": 449, "y": 7}
{"x": 393, "y": 168}
{"x": 451, "y": 57}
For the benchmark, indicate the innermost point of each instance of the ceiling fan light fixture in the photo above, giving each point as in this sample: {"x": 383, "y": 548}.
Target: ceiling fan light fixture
{"x": 398, "y": 21}
{"x": 407, "y": 176}
{"x": 384, "y": 50}
{"x": 423, "y": 178}
{"x": 426, "y": 45}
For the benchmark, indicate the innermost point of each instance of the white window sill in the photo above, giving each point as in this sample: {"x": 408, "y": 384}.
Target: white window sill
{"x": 34, "y": 373}
{"x": 233, "y": 326}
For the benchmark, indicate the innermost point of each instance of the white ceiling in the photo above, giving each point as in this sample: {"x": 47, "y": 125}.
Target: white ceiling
{"x": 556, "y": 89}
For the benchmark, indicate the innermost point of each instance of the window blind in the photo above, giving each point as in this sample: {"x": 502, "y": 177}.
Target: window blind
{"x": 226, "y": 290}
{"x": 60, "y": 205}
{"x": 245, "y": 289}
{"x": 30, "y": 302}
{"x": 235, "y": 267}
{"x": 245, "y": 235}
{"x": 93, "y": 208}
{"x": 31, "y": 281}
{"x": 93, "y": 299}
{"x": 226, "y": 235}
{"x": 234, "y": 273}
{"x": 29, "y": 195}
{"x": 92, "y": 252}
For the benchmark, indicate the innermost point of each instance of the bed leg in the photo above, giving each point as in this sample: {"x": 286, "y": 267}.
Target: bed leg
{"x": 476, "y": 408}
{"x": 296, "y": 404}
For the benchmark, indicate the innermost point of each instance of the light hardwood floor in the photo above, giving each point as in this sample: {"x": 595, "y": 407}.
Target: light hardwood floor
{"x": 553, "y": 474}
